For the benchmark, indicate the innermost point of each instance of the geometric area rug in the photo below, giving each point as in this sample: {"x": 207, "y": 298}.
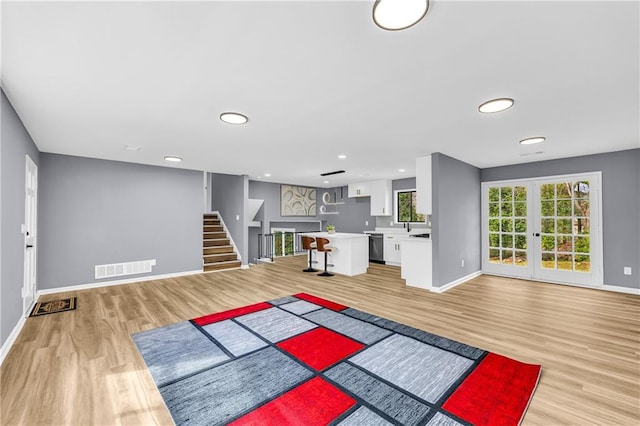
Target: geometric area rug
{"x": 304, "y": 360}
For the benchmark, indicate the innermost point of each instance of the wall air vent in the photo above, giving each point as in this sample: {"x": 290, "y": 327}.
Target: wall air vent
{"x": 337, "y": 172}
{"x": 126, "y": 268}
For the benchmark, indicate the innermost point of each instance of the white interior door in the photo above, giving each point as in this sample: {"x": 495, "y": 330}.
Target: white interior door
{"x": 568, "y": 244}
{"x": 544, "y": 229}
{"x": 30, "y": 235}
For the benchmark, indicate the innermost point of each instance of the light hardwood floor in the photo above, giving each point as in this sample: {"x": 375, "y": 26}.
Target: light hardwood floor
{"x": 82, "y": 368}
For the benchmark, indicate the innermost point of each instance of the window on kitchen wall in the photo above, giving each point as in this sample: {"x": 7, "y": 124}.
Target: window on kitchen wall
{"x": 405, "y": 203}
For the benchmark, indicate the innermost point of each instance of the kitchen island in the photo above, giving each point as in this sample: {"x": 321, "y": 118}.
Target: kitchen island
{"x": 350, "y": 255}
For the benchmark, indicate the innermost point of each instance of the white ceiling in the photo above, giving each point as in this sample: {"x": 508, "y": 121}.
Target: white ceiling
{"x": 318, "y": 79}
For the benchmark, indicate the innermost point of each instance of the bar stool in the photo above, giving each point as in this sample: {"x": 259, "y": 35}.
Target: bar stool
{"x": 309, "y": 243}
{"x": 322, "y": 246}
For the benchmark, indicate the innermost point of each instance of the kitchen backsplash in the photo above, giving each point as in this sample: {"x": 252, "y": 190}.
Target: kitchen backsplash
{"x": 387, "y": 222}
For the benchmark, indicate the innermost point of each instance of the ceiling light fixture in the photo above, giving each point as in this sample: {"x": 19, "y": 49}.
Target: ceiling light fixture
{"x": 172, "y": 158}
{"x": 325, "y": 181}
{"x": 531, "y": 141}
{"x": 337, "y": 172}
{"x": 495, "y": 105}
{"x": 396, "y": 15}
{"x": 342, "y": 156}
{"x": 401, "y": 170}
{"x": 233, "y": 118}
{"x": 267, "y": 174}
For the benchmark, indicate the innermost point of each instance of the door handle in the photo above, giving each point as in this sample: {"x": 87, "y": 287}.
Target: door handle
{"x": 536, "y": 234}
{"x": 29, "y": 246}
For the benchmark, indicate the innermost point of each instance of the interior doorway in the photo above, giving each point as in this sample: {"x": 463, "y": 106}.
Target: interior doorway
{"x": 30, "y": 232}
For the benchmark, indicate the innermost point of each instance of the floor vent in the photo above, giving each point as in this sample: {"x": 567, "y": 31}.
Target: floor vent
{"x": 126, "y": 268}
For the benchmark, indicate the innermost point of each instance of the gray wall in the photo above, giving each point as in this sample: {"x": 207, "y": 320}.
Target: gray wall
{"x": 228, "y": 196}
{"x": 94, "y": 212}
{"x": 455, "y": 219}
{"x": 15, "y": 145}
{"x": 620, "y": 204}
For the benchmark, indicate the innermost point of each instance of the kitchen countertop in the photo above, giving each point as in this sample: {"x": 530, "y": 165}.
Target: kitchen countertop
{"x": 399, "y": 231}
{"x": 335, "y": 235}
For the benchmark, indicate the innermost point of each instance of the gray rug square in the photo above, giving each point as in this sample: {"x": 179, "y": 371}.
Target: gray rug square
{"x": 442, "y": 420}
{"x": 234, "y": 338}
{"x": 363, "y": 416}
{"x": 218, "y": 395}
{"x": 354, "y": 328}
{"x": 300, "y": 307}
{"x": 275, "y": 324}
{"x": 423, "y": 370}
{"x": 423, "y": 336}
{"x": 283, "y": 300}
{"x": 176, "y": 351}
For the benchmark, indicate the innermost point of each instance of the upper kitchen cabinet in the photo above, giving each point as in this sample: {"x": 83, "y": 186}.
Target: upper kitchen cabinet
{"x": 381, "y": 198}
{"x": 423, "y": 185}
{"x": 380, "y": 193}
{"x": 361, "y": 189}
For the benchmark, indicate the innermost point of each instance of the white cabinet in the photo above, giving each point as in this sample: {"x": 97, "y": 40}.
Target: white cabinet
{"x": 416, "y": 262}
{"x": 361, "y": 189}
{"x": 391, "y": 250}
{"x": 381, "y": 198}
{"x": 380, "y": 193}
{"x": 423, "y": 184}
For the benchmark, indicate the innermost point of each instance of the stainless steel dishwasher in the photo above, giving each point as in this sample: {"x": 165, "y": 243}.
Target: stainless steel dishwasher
{"x": 376, "y": 248}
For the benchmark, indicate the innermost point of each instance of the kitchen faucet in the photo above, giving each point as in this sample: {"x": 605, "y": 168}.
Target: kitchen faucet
{"x": 408, "y": 226}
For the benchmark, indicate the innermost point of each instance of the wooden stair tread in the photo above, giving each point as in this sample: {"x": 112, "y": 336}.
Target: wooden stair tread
{"x": 217, "y": 249}
{"x": 220, "y": 257}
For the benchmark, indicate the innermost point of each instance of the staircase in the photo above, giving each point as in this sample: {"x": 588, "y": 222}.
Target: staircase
{"x": 217, "y": 252}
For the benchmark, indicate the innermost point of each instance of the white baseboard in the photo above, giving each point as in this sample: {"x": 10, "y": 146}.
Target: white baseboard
{"x": 620, "y": 289}
{"x": 449, "y": 286}
{"x": 116, "y": 282}
{"x": 6, "y": 346}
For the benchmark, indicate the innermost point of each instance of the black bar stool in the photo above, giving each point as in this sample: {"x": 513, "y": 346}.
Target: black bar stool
{"x": 309, "y": 243}
{"x": 322, "y": 246}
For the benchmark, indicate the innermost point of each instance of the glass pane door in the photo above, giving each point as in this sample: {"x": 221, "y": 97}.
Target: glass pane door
{"x": 506, "y": 226}
{"x": 567, "y": 248}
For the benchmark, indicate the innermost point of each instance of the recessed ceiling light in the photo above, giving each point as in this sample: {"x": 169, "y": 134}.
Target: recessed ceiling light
{"x": 342, "y": 156}
{"x": 172, "y": 158}
{"x": 132, "y": 148}
{"x": 397, "y": 15}
{"x": 233, "y": 118}
{"x": 531, "y": 141}
{"x": 267, "y": 174}
{"x": 325, "y": 181}
{"x": 495, "y": 105}
{"x": 401, "y": 170}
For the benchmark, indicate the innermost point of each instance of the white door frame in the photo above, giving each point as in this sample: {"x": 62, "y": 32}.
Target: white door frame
{"x": 30, "y": 232}
{"x": 532, "y": 271}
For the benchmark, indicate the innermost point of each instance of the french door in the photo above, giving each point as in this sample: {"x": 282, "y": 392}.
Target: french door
{"x": 544, "y": 229}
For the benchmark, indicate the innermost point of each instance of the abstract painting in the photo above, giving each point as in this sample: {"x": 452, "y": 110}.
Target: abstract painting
{"x": 297, "y": 201}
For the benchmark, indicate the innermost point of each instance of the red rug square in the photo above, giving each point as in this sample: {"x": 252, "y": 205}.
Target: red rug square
{"x": 320, "y": 301}
{"x": 320, "y": 348}
{"x": 497, "y": 392}
{"x": 232, "y": 313}
{"x": 315, "y": 402}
